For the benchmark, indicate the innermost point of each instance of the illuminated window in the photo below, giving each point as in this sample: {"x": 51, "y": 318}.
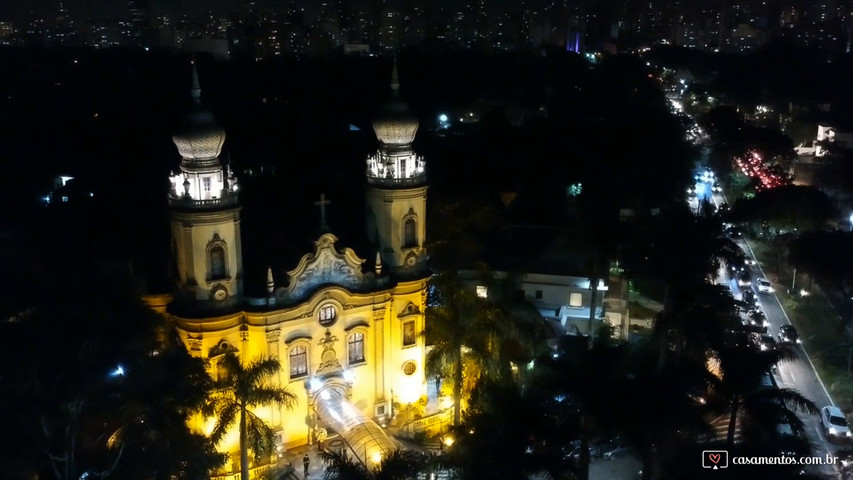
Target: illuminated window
{"x": 410, "y": 238}
{"x": 221, "y": 372}
{"x": 298, "y": 361}
{"x": 217, "y": 262}
{"x": 327, "y": 315}
{"x": 355, "y": 348}
{"x": 206, "y": 184}
{"x": 482, "y": 291}
{"x": 409, "y": 334}
{"x": 576, "y": 300}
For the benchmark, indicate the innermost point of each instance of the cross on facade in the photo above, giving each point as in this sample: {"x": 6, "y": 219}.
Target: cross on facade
{"x": 322, "y": 204}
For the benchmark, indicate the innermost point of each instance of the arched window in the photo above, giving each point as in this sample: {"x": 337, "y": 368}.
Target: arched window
{"x": 355, "y": 348}
{"x": 217, "y": 262}
{"x": 327, "y": 315}
{"x": 410, "y": 238}
{"x": 298, "y": 361}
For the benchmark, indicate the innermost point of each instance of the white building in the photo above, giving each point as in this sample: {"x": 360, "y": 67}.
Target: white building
{"x": 831, "y": 134}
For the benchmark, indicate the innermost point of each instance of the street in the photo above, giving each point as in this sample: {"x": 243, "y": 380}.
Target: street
{"x": 799, "y": 374}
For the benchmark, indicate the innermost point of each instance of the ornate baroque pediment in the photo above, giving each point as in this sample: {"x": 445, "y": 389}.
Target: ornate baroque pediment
{"x": 325, "y": 266}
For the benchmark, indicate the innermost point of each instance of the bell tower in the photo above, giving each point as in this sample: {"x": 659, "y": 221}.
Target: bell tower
{"x": 204, "y": 213}
{"x": 397, "y": 187}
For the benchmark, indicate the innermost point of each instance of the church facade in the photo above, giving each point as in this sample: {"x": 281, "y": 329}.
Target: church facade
{"x": 345, "y": 330}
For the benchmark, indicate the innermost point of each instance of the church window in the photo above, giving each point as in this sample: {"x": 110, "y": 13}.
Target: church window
{"x": 576, "y": 300}
{"x": 217, "y": 262}
{"x": 355, "y": 348}
{"x": 409, "y": 334}
{"x": 221, "y": 373}
{"x": 298, "y": 361}
{"x": 410, "y": 367}
{"x": 410, "y": 238}
{"x": 327, "y": 315}
{"x": 205, "y": 182}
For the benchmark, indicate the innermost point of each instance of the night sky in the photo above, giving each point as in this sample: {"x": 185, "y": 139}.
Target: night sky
{"x": 81, "y": 9}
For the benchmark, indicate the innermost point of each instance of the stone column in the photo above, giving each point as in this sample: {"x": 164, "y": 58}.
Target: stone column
{"x": 379, "y": 352}
{"x": 189, "y": 266}
{"x": 273, "y": 352}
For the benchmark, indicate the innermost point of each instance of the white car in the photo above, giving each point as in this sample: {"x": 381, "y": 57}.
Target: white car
{"x": 763, "y": 286}
{"x": 834, "y": 423}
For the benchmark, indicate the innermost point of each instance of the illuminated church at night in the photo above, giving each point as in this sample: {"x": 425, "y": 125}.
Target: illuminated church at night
{"x": 344, "y": 324}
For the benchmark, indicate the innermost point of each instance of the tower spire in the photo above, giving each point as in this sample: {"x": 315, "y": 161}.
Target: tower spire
{"x": 196, "y": 90}
{"x": 395, "y": 80}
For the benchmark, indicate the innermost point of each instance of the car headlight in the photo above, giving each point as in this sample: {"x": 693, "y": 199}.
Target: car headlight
{"x": 847, "y": 433}
{"x": 833, "y": 431}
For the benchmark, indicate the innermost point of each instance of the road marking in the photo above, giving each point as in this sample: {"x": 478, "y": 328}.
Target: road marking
{"x": 817, "y": 375}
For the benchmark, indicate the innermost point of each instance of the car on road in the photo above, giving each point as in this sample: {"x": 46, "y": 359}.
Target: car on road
{"x": 744, "y": 278}
{"x": 834, "y": 423}
{"x": 788, "y": 334}
{"x": 717, "y": 188}
{"x": 763, "y": 285}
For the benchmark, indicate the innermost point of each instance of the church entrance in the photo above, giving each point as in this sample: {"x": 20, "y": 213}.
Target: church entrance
{"x": 365, "y": 439}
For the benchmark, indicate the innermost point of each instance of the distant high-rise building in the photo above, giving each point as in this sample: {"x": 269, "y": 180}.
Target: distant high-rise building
{"x": 138, "y": 25}
{"x": 64, "y": 32}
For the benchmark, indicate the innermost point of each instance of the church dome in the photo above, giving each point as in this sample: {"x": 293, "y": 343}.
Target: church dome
{"x": 396, "y": 125}
{"x": 201, "y": 138}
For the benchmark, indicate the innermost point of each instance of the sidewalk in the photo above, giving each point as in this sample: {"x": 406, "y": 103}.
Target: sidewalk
{"x": 295, "y": 456}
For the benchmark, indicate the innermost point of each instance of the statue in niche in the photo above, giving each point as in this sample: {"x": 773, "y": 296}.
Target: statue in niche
{"x": 328, "y": 359}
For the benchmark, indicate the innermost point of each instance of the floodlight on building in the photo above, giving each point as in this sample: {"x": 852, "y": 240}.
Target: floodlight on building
{"x": 315, "y": 384}
{"x": 349, "y": 376}
{"x": 377, "y": 457}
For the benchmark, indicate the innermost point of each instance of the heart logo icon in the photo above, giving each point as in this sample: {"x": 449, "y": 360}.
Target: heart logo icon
{"x": 714, "y": 457}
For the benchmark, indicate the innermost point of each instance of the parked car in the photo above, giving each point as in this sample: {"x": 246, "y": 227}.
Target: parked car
{"x": 834, "y": 423}
{"x": 615, "y": 448}
{"x": 788, "y": 334}
{"x": 733, "y": 231}
{"x": 750, "y": 297}
{"x": 763, "y": 286}
{"x": 762, "y": 329}
{"x": 757, "y": 317}
{"x": 766, "y": 342}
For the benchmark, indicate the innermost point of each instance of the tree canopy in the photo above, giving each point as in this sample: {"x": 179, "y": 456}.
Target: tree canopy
{"x": 786, "y": 208}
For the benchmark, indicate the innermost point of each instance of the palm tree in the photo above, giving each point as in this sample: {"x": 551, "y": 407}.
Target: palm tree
{"x": 741, "y": 368}
{"x": 235, "y": 392}
{"x": 462, "y": 326}
{"x": 397, "y": 465}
